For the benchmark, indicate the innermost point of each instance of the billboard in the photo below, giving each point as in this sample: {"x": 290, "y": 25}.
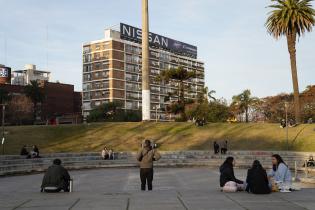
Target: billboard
{"x": 131, "y": 33}
{"x": 5, "y": 75}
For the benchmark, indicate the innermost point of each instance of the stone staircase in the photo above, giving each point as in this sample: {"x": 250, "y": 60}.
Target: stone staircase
{"x": 12, "y": 165}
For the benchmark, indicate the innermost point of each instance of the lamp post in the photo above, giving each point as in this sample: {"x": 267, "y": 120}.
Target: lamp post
{"x": 156, "y": 112}
{"x": 3, "y": 138}
{"x": 286, "y": 123}
{"x": 146, "y": 100}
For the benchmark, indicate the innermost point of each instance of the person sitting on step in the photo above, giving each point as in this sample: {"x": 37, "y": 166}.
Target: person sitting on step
{"x": 105, "y": 154}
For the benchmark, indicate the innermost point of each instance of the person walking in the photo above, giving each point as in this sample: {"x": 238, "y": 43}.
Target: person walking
{"x": 146, "y": 156}
{"x": 257, "y": 180}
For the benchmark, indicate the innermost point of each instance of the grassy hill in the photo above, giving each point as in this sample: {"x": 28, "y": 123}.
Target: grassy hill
{"x": 170, "y": 136}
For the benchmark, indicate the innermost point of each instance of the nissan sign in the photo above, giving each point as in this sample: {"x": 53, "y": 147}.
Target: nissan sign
{"x": 131, "y": 33}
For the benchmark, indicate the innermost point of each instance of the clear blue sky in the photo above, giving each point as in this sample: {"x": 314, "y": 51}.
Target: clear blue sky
{"x": 230, "y": 35}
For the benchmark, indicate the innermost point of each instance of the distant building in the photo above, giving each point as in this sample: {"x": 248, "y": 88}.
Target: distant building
{"x": 5, "y": 74}
{"x": 61, "y": 105}
{"x": 112, "y": 70}
{"x": 28, "y": 74}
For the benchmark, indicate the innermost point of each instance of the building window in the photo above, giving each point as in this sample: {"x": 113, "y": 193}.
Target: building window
{"x": 132, "y": 59}
{"x": 132, "y": 105}
{"x": 132, "y": 68}
{"x": 86, "y": 77}
{"x": 86, "y": 49}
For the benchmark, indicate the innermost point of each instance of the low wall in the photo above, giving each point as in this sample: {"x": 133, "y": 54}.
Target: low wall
{"x": 12, "y": 164}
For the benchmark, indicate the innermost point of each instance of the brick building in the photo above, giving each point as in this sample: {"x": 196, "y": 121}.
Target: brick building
{"x": 61, "y": 102}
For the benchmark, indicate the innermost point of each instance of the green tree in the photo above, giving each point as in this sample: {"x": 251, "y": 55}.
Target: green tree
{"x": 180, "y": 76}
{"x": 36, "y": 94}
{"x": 113, "y": 112}
{"x": 218, "y": 111}
{"x": 291, "y": 18}
{"x": 243, "y": 102}
{"x": 4, "y": 96}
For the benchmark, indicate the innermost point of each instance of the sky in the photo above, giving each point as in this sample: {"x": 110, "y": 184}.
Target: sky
{"x": 230, "y": 35}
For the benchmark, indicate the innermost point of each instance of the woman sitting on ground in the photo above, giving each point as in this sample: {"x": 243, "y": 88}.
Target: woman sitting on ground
{"x": 257, "y": 180}
{"x": 227, "y": 177}
{"x": 280, "y": 172}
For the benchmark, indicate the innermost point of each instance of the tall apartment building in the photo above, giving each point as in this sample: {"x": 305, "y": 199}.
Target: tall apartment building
{"x": 112, "y": 70}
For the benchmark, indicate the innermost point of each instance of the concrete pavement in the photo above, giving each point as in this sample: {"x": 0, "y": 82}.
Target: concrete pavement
{"x": 174, "y": 188}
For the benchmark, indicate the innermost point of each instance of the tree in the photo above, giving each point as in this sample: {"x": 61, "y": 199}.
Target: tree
{"x": 218, "y": 111}
{"x": 113, "y": 112}
{"x": 291, "y": 18}
{"x": 243, "y": 102}
{"x": 4, "y": 96}
{"x": 36, "y": 94}
{"x": 206, "y": 95}
{"x": 210, "y": 95}
{"x": 20, "y": 110}
{"x": 178, "y": 75}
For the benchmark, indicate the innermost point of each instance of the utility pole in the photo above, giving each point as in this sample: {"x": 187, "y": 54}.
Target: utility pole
{"x": 3, "y": 138}
{"x": 146, "y": 100}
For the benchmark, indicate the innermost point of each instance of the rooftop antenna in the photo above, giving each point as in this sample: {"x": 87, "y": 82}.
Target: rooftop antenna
{"x": 5, "y": 48}
{"x": 47, "y": 47}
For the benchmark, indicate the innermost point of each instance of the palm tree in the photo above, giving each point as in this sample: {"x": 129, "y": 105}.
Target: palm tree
{"x": 36, "y": 94}
{"x": 210, "y": 95}
{"x": 291, "y": 18}
{"x": 244, "y": 101}
{"x": 179, "y": 75}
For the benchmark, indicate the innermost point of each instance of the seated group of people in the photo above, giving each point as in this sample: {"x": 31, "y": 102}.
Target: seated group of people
{"x": 107, "y": 154}
{"x": 34, "y": 153}
{"x": 257, "y": 181}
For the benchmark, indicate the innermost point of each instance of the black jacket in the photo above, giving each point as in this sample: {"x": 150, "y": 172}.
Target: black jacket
{"x": 227, "y": 174}
{"x": 257, "y": 181}
{"x": 56, "y": 176}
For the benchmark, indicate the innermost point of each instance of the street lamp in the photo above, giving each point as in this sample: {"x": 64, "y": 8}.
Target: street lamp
{"x": 3, "y": 138}
{"x": 156, "y": 112}
{"x": 286, "y": 105}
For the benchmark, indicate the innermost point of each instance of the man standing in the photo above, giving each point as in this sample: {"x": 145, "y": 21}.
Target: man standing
{"x": 56, "y": 178}
{"x": 224, "y": 147}
{"x": 146, "y": 156}
{"x": 216, "y": 147}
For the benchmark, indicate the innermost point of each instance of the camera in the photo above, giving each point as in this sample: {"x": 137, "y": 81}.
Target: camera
{"x": 152, "y": 144}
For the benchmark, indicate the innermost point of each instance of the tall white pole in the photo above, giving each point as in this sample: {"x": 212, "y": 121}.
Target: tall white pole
{"x": 146, "y": 104}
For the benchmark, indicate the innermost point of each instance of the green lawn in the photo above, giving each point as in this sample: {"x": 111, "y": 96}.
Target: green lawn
{"x": 170, "y": 136}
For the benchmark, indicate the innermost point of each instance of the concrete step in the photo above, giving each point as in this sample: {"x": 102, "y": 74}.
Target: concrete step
{"x": 16, "y": 164}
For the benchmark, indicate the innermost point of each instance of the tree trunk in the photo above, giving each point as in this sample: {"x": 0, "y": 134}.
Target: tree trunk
{"x": 246, "y": 115}
{"x": 291, "y": 39}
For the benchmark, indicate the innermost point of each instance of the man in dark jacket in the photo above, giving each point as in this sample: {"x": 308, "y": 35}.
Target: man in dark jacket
{"x": 146, "y": 156}
{"x": 227, "y": 172}
{"x": 56, "y": 178}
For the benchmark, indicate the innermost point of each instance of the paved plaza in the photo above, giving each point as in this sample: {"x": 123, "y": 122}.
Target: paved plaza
{"x": 174, "y": 188}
